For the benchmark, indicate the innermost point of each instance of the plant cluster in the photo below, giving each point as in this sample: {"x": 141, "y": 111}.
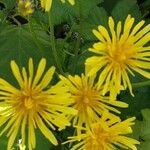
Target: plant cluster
{"x": 74, "y": 74}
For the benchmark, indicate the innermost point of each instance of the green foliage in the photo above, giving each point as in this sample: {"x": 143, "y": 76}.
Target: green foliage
{"x": 136, "y": 103}
{"x": 9, "y": 4}
{"x": 17, "y": 43}
{"x": 125, "y": 7}
{"x": 42, "y": 143}
{"x": 142, "y": 130}
{"x": 3, "y": 142}
{"x": 98, "y": 16}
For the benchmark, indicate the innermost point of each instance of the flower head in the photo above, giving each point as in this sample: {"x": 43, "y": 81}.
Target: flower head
{"x": 34, "y": 104}
{"x": 121, "y": 50}
{"x": 46, "y": 4}
{"x": 106, "y": 135}
{"x": 88, "y": 100}
{"x": 25, "y": 7}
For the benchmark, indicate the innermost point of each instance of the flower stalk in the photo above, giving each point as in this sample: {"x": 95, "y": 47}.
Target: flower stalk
{"x": 77, "y": 46}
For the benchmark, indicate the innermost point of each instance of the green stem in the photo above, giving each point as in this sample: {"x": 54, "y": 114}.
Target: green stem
{"x": 52, "y": 38}
{"x": 141, "y": 84}
{"x": 16, "y": 21}
{"x": 77, "y": 46}
{"x": 76, "y": 51}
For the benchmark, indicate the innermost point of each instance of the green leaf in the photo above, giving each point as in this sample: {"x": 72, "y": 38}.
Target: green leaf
{"x": 136, "y": 103}
{"x": 42, "y": 142}
{"x": 3, "y": 142}
{"x": 62, "y": 137}
{"x": 97, "y": 17}
{"x": 68, "y": 13}
{"x": 109, "y": 5}
{"x": 9, "y": 4}
{"x": 125, "y": 7}
{"x": 146, "y": 4}
{"x": 84, "y": 7}
{"x": 141, "y": 131}
{"x": 60, "y": 12}
{"x": 18, "y": 43}
{"x": 2, "y": 16}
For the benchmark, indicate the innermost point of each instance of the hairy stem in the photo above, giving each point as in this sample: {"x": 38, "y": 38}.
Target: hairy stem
{"x": 77, "y": 46}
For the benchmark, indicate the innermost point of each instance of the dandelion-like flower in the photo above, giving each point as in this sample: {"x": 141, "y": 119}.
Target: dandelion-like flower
{"x": 88, "y": 100}
{"x": 107, "y": 134}
{"x": 25, "y": 7}
{"x": 46, "y": 4}
{"x": 34, "y": 105}
{"x": 120, "y": 51}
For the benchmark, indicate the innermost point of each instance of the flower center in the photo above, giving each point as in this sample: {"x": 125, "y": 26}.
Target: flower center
{"x": 98, "y": 140}
{"x": 27, "y": 99}
{"x": 85, "y": 98}
{"x": 119, "y": 53}
{"x": 120, "y": 57}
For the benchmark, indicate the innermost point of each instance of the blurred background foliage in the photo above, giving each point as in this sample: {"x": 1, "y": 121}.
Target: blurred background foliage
{"x": 21, "y": 38}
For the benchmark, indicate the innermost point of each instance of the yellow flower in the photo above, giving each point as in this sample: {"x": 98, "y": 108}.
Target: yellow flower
{"x": 121, "y": 50}
{"x": 34, "y": 104}
{"x": 72, "y": 2}
{"x": 25, "y": 7}
{"x": 46, "y": 4}
{"x": 106, "y": 135}
{"x": 88, "y": 100}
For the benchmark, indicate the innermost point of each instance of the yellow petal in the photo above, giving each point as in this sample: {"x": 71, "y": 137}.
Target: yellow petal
{"x": 46, "y": 132}
{"x": 40, "y": 70}
{"x": 16, "y": 73}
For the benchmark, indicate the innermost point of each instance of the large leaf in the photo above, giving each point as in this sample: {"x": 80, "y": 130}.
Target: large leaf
{"x": 3, "y": 142}
{"x": 136, "y": 103}
{"x": 9, "y": 4}
{"x": 42, "y": 142}
{"x": 66, "y": 12}
{"x": 19, "y": 43}
{"x": 142, "y": 130}
{"x": 125, "y": 7}
{"x": 98, "y": 16}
